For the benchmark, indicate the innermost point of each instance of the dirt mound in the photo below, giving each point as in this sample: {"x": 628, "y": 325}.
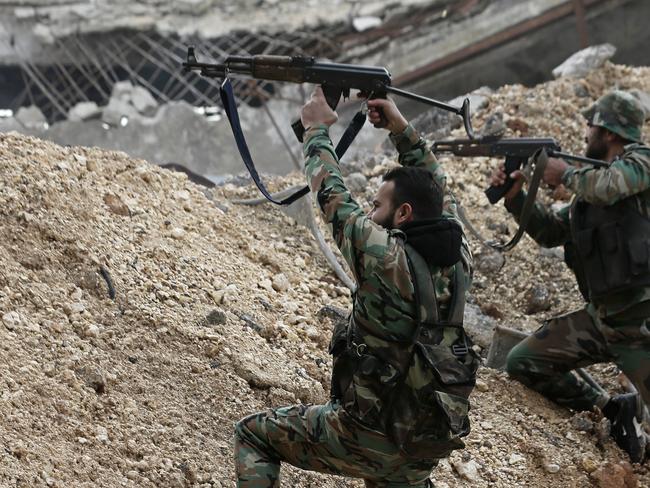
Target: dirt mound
{"x": 220, "y": 310}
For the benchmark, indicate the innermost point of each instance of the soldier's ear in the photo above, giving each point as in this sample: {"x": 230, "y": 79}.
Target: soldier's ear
{"x": 404, "y": 213}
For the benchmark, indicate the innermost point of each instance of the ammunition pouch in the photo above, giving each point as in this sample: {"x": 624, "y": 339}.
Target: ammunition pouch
{"x": 415, "y": 392}
{"x": 612, "y": 248}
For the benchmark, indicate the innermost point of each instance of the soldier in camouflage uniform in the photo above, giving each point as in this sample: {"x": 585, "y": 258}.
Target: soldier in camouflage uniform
{"x": 605, "y": 232}
{"x": 403, "y": 367}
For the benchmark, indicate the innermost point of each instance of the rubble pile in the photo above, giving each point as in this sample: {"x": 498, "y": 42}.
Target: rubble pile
{"x": 141, "y": 316}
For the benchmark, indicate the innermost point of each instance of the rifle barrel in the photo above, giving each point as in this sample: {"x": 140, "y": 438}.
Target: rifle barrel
{"x": 580, "y": 159}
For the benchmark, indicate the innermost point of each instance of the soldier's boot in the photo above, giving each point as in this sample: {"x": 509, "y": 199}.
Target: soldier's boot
{"x": 625, "y": 415}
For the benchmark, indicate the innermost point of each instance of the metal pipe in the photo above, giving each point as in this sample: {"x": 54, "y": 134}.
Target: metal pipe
{"x": 581, "y": 21}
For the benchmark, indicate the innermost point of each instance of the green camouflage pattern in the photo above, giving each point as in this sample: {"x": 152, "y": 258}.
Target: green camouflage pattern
{"x": 620, "y": 112}
{"x": 612, "y": 330}
{"x": 544, "y": 360}
{"x": 325, "y": 438}
{"x": 628, "y": 176}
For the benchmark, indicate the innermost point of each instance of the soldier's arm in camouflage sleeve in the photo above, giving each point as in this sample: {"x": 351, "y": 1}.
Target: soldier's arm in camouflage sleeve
{"x": 360, "y": 240}
{"x": 547, "y": 228}
{"x": 625, "y": 177}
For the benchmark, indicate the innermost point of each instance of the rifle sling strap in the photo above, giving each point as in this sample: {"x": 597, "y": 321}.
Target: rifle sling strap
{"x": 541, "y": 159}
{"x": 230, "y": 105}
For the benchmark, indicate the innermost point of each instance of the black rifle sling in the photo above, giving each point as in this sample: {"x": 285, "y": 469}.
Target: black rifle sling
{"x": 230, "y": 105}
{"x": 541, "y": 159}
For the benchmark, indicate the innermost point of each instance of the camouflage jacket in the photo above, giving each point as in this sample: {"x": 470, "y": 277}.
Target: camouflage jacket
{"x": 628, "y": 176}
{"x": 384, "y": 301}
{"x": 414, "y": 391}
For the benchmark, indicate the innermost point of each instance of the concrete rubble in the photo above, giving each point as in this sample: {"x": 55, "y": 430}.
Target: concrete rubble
{"x": 583, "y": 62}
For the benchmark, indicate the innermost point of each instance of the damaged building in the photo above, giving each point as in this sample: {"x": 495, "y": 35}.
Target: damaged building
{"x": 109, "y": 74}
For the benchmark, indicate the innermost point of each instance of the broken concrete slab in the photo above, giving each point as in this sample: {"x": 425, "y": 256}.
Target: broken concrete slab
{"x": 583, "y": 62}
{"x": 116, "y": 109}
{"x": 31, "y": 117}
{"x": 143, "y": 101}
{"x": 503, "y": 340}
{"x": 478, "y": 325}
{"x": 84, "y": 111}
{"x": 438, "y": 124}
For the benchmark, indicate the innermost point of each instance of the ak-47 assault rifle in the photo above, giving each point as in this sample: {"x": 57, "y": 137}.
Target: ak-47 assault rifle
{"x": 336, "y": 80}
{"x": 516, "y": 152}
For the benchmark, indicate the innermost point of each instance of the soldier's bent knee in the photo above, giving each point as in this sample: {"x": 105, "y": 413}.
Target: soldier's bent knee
{"x": 515, "y": 365}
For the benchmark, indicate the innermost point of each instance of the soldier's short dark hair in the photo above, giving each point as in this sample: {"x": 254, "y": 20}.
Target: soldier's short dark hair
{"x": 416, "y": 187}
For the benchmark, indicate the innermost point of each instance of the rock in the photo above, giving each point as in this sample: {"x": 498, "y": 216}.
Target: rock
{"x": 518, "y": 125}
{"x": 579, "y": 422}
{"x": 516, "y": 459}
{"x": 589, "y": 464}
{"x": 552, "y": 252}
{"x": 122, "y": 91}
{"x": 580, "y": 90}
{"x": 551, "y": 468}
{"x": 538, "y": 299}
{"x": 478, "y": 99}
{"x": 644, "y": 98}
{"x": 101, "y": 434}
{"x": 581, "y": 63}
{"x": 467, "y": 470}
{"x": 482, "y": 386}
{"x": 247, "y": 367}
{"x": 492, "y": 310}
{"x": 31, "y": 117}
{"x": 266, "y": 284}
{"x": 478, "y": 326}
{"x": 92, "y": 331}
{"x": 502, "y": 341}
{"x": 178, "y": 233}
{"x": 84, "y": 111}
{"x": 485, "y": 425}
{"x": 116, "y": 205}
{"x": 489, "y": 262}
{"x": 619, "y": 475}
{"x": 116, "y": 109}
{"x": 333, "y": 313}
{"x": 11, "y": 320}
{"x": 92, "y": 378}
{"x": 215, "y": 317}
{"x": 361, "y": 24}
{"x": 494, "y": 126}
{"x": 280, "y": 283}
{"x": 143, "y": 101}
{"x": 356, "y": 182}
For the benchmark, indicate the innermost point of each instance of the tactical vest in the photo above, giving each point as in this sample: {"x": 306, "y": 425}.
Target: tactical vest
{"x": 609, "y": 250}
{"x": 414, "y": 391}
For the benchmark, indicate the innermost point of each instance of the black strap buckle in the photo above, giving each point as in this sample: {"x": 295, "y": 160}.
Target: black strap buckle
{"x": 460, "y": 350}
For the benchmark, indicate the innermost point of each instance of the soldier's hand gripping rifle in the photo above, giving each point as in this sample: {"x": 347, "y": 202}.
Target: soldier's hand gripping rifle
{"x": 336, "y": 80}
{"x": 517, "y": 153}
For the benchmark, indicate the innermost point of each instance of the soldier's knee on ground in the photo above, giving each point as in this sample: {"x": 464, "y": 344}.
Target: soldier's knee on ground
{"x": 515, "y": 365}
{"x": 244, "y": 430}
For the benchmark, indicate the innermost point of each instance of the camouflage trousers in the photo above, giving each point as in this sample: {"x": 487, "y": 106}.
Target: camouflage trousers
{"x": 321, "y": 438}
{"x": 544, "y": 360}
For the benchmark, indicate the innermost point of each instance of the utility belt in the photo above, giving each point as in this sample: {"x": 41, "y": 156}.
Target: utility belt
{"x": 416, "y": 390}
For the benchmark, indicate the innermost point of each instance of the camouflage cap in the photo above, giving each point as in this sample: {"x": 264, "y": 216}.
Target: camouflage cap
{"x": 619, "y": 112}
